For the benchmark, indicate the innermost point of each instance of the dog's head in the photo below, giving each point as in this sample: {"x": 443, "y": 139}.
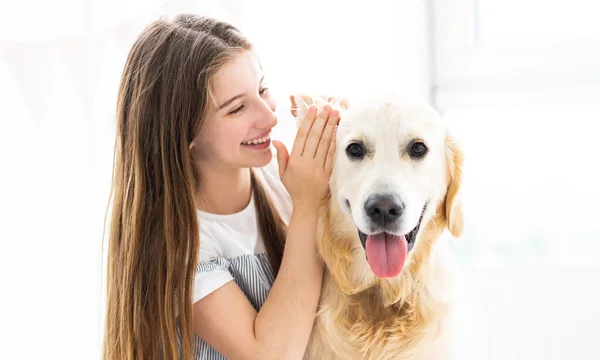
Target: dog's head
{"x": 396, "y": 169}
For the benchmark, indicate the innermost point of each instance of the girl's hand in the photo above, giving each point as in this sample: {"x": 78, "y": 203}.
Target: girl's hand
{"x": 306, "y": 172}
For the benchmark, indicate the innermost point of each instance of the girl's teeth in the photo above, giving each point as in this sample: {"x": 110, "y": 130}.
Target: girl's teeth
{"x": 257, "y": 141}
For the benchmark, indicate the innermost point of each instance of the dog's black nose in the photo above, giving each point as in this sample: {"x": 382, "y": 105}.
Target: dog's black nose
{"x": 384, "y": 209}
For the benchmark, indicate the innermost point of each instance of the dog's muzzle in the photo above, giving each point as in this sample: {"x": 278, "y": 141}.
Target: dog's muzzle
{"x": 410, "y": 237}
{"x": 384, "y": 210}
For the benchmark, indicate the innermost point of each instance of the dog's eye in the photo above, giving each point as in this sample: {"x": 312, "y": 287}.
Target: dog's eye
{"x": 418, "y": 149}
{"x": 355, "y": 150}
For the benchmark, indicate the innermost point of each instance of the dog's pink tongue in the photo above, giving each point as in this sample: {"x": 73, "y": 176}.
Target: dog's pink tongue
{"x": 386, "y": 254}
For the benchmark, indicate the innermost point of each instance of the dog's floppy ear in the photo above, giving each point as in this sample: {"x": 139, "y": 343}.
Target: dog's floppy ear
{"x": 300, "y": 105}
{"x": 301, "y": 102}
{"x": 454, "y": 211}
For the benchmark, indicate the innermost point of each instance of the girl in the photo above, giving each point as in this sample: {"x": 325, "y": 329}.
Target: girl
{"x": 212, "y": 248}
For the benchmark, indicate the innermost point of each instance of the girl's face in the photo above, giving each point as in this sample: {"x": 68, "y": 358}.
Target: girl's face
{"x": 237, "y": 130}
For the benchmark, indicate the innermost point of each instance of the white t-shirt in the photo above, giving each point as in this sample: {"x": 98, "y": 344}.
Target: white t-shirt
{"x": 232, "y": 248}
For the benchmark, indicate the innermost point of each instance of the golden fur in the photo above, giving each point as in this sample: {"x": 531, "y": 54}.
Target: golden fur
{"x": 361, "y": 316}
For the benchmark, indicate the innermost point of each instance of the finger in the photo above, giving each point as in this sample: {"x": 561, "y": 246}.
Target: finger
{"x": 314, "y": 137}
{"x": 282, "y": 156}
{"x": 323, "y": 148}
{"x": 331, "y": 151}
{"x": 303, "y": 131}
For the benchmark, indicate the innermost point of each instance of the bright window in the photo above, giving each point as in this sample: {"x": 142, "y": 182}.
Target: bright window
{"x": 519, "y": 82}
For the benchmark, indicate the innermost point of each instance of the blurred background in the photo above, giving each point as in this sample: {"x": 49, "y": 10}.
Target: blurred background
{"x": 519, "y": 82}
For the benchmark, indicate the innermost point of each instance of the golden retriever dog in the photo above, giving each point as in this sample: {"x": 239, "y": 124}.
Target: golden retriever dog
{"x": 387, "y": 288}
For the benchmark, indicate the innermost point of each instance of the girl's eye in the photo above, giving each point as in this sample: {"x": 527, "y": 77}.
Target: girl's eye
{"x": 262, "y": 92}
{"x": 236, "y": 110}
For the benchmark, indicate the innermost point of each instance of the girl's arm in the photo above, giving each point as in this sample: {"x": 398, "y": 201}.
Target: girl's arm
{"x": 225, "y": 319}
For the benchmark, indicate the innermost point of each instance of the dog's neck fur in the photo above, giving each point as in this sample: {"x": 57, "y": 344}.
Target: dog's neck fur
{"x": 403, "y": 304}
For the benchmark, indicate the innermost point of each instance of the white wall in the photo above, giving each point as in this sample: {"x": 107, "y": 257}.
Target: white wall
{"x": 519, "y": 80}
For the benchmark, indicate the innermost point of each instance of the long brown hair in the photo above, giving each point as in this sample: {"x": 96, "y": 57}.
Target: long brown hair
{"x": 153, "y": 247}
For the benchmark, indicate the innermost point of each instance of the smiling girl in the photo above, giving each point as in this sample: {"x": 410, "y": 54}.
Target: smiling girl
{"x": 212, "y": 248}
